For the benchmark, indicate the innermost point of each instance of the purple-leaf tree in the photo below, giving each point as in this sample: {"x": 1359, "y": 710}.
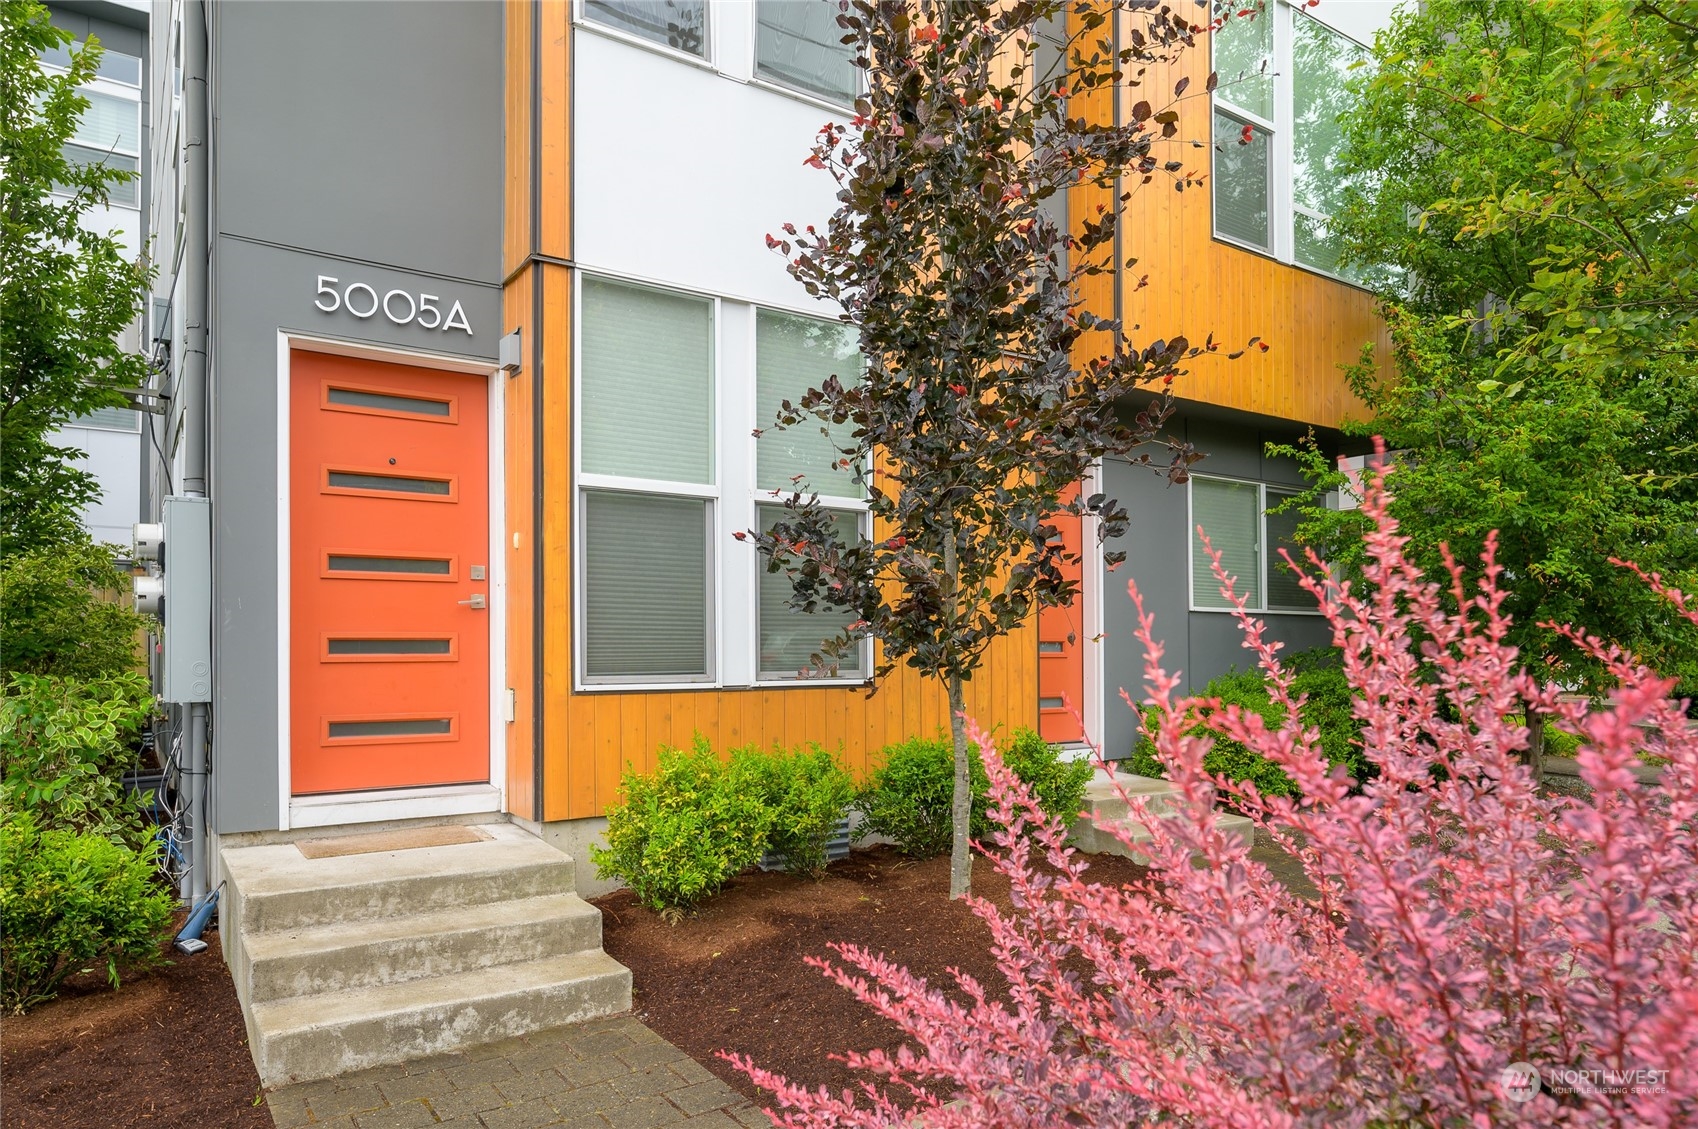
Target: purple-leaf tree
{"x": 989, "y": 388}
{"x": 1475, "y": 952}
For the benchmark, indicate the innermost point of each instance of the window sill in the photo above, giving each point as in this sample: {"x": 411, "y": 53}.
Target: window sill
{"x": 795, "y": 94}
{"x": 1313, "y": 612}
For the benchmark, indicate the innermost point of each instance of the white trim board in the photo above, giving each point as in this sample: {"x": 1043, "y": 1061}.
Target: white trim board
{"x": 407, "y": 803}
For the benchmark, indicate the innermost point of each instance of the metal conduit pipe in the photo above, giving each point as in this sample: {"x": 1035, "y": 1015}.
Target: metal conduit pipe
{"x": 192, "y": 390}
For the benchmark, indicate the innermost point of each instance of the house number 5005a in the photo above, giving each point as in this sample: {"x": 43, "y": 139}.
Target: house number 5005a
{"x": 399, "y": 306}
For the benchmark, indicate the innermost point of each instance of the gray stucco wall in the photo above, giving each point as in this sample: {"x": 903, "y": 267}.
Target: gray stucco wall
{"x": 1199, "y": 645}
{"x": 362, "y": 141}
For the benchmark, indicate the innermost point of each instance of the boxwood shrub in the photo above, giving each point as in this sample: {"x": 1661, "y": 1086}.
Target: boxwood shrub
{"x": 69, "y": 902}
{"x": 806, "y": 793}
{"x": 1317, "y": 673}
{"x": 910, "y": 796}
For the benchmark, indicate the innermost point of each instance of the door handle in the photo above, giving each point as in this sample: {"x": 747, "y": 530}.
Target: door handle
{"x": 477, "y": 602}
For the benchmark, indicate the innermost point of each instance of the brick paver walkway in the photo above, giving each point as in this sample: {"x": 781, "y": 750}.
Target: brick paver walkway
{"x": 604, "y": 1074}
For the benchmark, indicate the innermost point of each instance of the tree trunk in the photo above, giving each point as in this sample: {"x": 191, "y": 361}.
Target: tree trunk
{"x": 961, "y": 851}
{"x": 1535, "y": 744}
{"x": 961, "y": 810}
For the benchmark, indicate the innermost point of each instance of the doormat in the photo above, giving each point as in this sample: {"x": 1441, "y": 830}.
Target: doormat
{"x": 404, "y": 840}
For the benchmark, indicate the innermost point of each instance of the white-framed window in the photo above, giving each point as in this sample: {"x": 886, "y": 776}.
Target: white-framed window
{"x": 114, "y": 66}
{"x": 798, "y": 44}
{"x": 109, "y": 133}
{"x": 794, "y": 353}
{"x": 670, "y": 388}
{"x": 676, "y": 25}
{"x": 110, "y": 419}
{"x": 1234, "y": 515}
{"x": 1283, "y": 82}
{"x": 647, "y": 484}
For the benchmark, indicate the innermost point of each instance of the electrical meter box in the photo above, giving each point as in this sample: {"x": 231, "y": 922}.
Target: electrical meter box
{"x": 186, "y": 662}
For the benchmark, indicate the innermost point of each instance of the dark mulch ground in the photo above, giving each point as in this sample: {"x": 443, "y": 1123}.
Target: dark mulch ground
{"x": 732, "y": 977}
{"x": 168, "y": 1048}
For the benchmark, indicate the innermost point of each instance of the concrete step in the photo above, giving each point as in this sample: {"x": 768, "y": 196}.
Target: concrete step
{"x": 322, "y": 1036}
{"x": 1104, "y": 807}
{"x": 282, "y": 890}
{"x": 352, "y": 956}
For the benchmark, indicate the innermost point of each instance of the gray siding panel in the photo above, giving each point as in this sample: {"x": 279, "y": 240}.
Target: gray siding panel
{"x": 357, "y": 140}
{"x": 1199, "y": 645}
{"x": 370, "y": 131}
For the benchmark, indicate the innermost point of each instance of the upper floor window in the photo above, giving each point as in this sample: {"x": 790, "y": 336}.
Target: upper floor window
{"x": 1284, "y": 82}
{"x": 109, "y": 133}
{"x": 1234, "y": 515}
{"x": 799, "y": 44}
{"x": 113, "y": 65}
{"x": 678, "y": 24}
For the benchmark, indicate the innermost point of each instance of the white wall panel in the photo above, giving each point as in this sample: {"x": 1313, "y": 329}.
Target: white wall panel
{"x": 679, "y": 173}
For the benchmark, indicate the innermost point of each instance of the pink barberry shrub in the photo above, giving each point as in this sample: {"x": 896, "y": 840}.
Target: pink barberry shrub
{"x": 1461, "y": 922}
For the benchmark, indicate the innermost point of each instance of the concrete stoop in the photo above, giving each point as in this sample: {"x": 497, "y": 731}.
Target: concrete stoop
{"x": 1104, "y": 806}
{"x": 363, "y": 960}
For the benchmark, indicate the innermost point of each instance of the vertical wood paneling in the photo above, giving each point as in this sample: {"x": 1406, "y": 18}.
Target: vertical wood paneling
{"x": 521, "y": 605}
{"x": 1198, "y": 284}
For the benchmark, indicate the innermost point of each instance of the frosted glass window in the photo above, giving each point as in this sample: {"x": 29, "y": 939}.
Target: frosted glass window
{"x": 1244, "y": 61}
{"x": 1231, "y": 514}
{"x": 792, "y": 355}
{"x": 1284, "y": 591}
{"x": 678, "y": 24}
{"x": 798, "y": 43}
{"x": 1323, "y": 62}
{"x": 790, "y": 638}
{"x": 110, "y": 123}
{"x": 113, "y": 65}
{"x": 110, "y": 419}
{"x": 1241, "y": 180}
{"x": 646, "y": 587}
{"x": 647, "y": 383}
{"x": 126, "y": 193}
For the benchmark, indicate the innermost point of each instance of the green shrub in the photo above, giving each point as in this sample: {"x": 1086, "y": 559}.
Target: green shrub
{"x": 70, "y": 902}
{"x": 683, "y": 831}
{"x": 1316, "y": 673}
{"x": 910, "y": 797}
{"x": 64, "y": 746}
{"x": 806, "y": 793}
{"x": 65, "y": 610}
{"x": 1059, "y": 785}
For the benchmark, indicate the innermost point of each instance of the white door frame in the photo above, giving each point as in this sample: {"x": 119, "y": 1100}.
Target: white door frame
{"x": 400, "y": 803}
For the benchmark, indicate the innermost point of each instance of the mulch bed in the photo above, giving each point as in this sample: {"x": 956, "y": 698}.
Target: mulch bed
{"x": 731, "y": 976}
{"x": 167, "y": 1048}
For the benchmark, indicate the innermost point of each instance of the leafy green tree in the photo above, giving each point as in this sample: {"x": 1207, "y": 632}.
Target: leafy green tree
{"x": 66, "y": 293}
{"x": 1523, "y": 198}
{"x": 981, "y": 404}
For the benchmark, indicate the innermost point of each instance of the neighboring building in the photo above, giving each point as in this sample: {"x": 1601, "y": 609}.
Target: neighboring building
{"x": 486, "y": 321}
{"x": 113, "y": 130}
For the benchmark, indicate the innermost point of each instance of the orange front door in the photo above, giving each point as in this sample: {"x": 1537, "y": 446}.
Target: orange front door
{"x": 1061, "y": 651}
{"x": 389, "y": 589}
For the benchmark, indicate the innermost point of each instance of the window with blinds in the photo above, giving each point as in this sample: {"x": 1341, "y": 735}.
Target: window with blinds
{"x": 646, "y": 572}
{"x": 1248, "y": 538}
{"x": 798, "y": 44}
{"x": 1230, "y": 514}
{"x": 792, "y": 355}
{"x": 678, "y": 24}
{"x": 646, "y": 423}
{"x": 646, "y": 385}
{"x": 790, "y": 638}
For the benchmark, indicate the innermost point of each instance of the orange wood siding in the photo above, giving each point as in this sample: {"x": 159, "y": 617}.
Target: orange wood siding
{"x": 1198, "y": 284}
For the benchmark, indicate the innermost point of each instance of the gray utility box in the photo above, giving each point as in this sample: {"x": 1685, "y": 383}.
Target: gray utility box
{"x": 185, "y": 669}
